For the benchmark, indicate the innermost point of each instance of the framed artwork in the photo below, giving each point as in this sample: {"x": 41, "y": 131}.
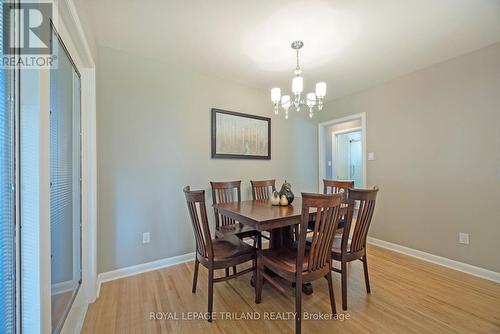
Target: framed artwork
{"x": 240, "y": 136}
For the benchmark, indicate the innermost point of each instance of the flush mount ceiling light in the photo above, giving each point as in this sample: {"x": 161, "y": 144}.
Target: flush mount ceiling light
{"x": 311, "y": 100}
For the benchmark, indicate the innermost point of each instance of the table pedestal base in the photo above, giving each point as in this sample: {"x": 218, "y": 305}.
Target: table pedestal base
{"x": 281, "y": 238}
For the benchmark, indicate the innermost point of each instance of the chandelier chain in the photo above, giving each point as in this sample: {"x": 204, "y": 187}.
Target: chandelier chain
{"x": 298, "y": 66}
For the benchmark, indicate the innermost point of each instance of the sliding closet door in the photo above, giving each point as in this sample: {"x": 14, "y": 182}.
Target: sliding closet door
{"x": 7, "y": 197}
{"x": 65, "y": 187}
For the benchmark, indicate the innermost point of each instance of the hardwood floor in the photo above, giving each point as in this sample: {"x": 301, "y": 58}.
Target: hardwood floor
{"x": 408, "y": 296}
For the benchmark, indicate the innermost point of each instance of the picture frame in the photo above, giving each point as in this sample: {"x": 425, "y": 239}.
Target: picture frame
{"x": 240, "y": 136}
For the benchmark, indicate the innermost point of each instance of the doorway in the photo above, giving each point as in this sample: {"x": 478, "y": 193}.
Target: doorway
{"x": 342, "y": 150}
{"x": 347, "y": 159}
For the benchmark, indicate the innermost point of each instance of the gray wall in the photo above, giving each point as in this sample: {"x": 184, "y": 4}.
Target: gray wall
{"x": 154, "y": 138}
{"x": 436, "y": 138}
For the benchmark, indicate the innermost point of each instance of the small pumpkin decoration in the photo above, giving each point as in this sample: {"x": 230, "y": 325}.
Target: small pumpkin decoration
{"x": 283, "y": 200}
{"x": 286, "y": 190}
{"x": 275, "y": 199}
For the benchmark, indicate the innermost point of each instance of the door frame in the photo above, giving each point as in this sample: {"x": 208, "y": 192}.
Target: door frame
{"x": 334, "y": 144}
{"x": 322, "y": 148}
{"x": 71, "y": 32}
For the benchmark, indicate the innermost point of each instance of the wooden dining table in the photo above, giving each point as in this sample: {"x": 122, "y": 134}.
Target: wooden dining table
{"x": 262, "y": 216}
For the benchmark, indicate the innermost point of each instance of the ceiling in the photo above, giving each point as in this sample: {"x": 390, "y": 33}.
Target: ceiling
{"x": 350, "y": 44}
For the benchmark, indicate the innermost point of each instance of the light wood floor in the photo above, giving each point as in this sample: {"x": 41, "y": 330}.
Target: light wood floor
{"x": 408, "y": 296}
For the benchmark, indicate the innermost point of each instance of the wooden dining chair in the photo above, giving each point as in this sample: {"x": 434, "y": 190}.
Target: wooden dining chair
{"x": 226, "y": 192}
{"x": 303, "y": 264}
{"x": 347, "y": 248}
{"x": 336, "y": 186}
{"x": 219, "y": 253}
{"x": 339, "y": 186}
{"x": 263, "y": 189}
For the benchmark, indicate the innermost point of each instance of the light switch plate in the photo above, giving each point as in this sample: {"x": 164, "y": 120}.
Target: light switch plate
{"x": 145, "y": 238}
{"x": 371, "y": 156}
{"x": 463, "y": 238}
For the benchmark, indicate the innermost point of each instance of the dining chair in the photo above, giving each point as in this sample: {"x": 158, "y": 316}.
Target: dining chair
{"x": 301, "y": 264}
{"x": 336, "y": 186}
{"x": 263, "y": 189}
{"x": 339, "y": 186}
{"x": 226, "y": 192}
{"x": 351, "y": 245}
{"x": 214, "y": 254}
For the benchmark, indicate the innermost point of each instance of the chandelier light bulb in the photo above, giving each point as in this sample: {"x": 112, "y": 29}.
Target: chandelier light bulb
{"x": 286, "y": 102}
{"x": 311, "y": 100}
{"x": 297, "y": 85}
{"x": 321, "y": 90}
{"x": 276, "y": 95}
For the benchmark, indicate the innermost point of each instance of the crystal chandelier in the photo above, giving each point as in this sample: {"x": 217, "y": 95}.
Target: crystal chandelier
{"x": 311, "y": 100}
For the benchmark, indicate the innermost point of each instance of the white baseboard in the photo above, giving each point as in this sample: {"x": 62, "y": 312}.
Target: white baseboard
{"x": 141, "y": 268}
{"x": 62, "y": 287}
{"x": 442, "y": 261}
{"x": 81, "y": 319}
{"x": 76, "y": 316}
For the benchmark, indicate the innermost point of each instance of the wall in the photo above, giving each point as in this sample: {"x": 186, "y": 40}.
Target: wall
{"x": 154, "y": 138}
{"x": 83, "y": 10}
{"x": 436, "y": 138}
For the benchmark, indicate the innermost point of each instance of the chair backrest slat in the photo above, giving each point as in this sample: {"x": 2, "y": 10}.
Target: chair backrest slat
{"x": 366, "y": 204}
{"x": 327, "y": 207}
{"x": 263, "y": 189}
{"x": 225, "y": 192}
{"x": 197, "y": 211}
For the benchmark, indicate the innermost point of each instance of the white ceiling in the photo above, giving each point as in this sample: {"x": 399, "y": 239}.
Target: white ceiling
{"x": 350, "y": 44}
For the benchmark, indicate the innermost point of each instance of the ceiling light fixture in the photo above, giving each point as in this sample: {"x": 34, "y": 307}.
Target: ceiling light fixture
{"x": 311, "y": 100}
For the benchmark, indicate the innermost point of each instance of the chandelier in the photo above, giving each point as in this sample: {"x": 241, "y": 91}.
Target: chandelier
{"x": 310, "y": 101}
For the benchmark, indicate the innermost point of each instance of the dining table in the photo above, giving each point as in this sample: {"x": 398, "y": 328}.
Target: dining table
{"x": 262, "y": 216}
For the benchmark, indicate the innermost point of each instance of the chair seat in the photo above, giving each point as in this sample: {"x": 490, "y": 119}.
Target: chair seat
{"x": 283, "y": 258}
{"x": 240, "y": 230}
{"x": 230, "y": 247}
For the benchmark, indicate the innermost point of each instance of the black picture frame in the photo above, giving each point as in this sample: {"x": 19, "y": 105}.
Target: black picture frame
{"x": 216, "y": 155}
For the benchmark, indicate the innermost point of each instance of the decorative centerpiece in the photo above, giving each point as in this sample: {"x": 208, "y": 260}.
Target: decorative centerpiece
{"x": 275, "y": 199}
{"x": 286, "y": 190}
{"x": 283, "y": 200}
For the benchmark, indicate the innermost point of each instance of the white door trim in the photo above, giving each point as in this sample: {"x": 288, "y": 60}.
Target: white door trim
{"x": 70, "y": 29}
{"x": 321, "y": 146}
